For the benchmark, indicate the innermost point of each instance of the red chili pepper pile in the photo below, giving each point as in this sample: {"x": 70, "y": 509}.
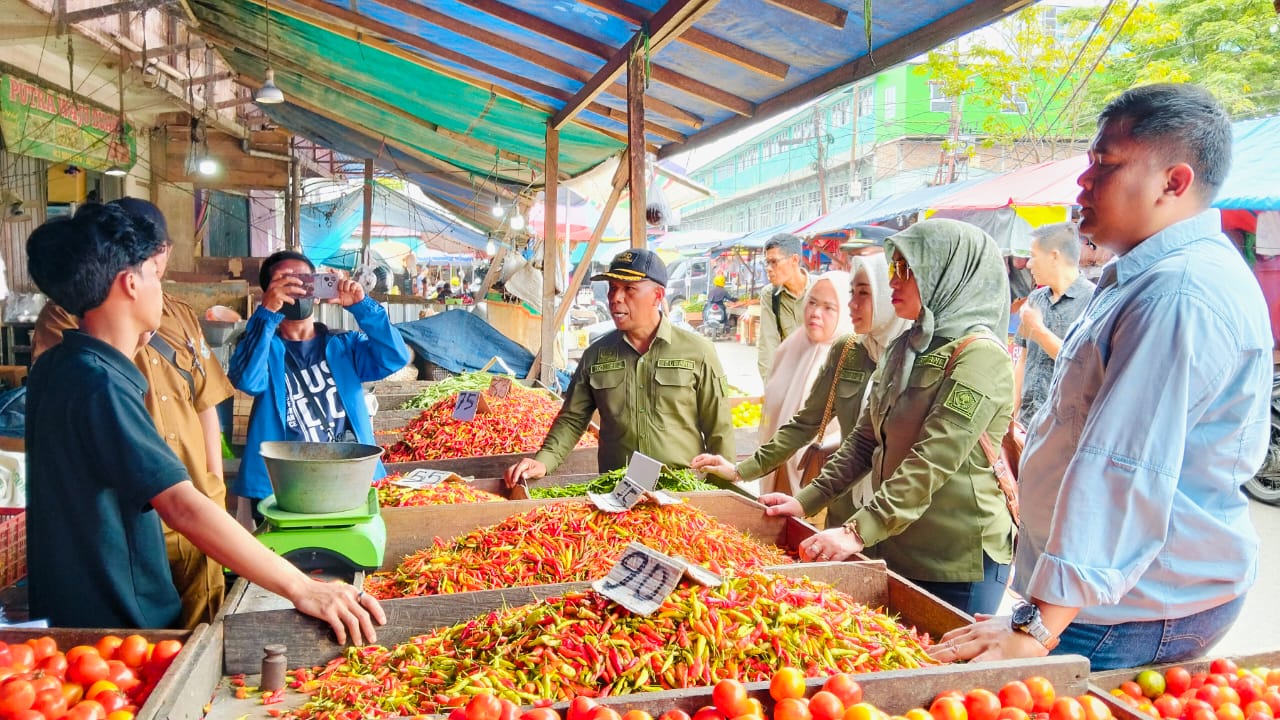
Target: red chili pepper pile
{"x": 584, "y": 644}
{"x": 566, "y": 542}
{"x": 513, "y": 424}
{"x": 448, "y": 493}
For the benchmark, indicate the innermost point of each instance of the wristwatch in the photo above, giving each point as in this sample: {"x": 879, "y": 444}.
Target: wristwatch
{"x": 1026, "y": 619}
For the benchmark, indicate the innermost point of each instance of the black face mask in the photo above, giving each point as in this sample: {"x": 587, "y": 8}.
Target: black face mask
{"x": 299, "y": 310}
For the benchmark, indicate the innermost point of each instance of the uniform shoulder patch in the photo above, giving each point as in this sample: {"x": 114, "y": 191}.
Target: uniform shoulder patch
{"x": 963, "y": 400}
{"x": 608, "y": 366}
{"x": 677, "y": 363}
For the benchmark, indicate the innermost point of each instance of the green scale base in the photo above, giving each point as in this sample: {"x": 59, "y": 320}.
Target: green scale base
{"x": 355, "y": 537}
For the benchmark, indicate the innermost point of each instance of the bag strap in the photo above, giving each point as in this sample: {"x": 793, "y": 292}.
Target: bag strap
{"x": 166, "y": 350}
{"x": 777, "y": 309}
{"x": 835, "y": 380}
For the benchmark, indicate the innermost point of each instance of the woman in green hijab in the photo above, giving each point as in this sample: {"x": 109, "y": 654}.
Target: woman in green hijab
{"x": 936, "y": 514}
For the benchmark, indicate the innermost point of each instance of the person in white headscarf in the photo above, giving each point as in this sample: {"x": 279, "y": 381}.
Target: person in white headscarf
{"x": 847, "y": 364}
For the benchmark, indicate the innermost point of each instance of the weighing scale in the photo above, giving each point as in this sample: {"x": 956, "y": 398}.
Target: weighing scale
{"x": 355, "y": 538}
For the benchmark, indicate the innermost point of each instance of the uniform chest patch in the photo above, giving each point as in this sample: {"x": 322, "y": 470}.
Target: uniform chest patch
{"x": 853, "y": 375}
{"x": 937, "y": 361}
{"x": 607, "y": 366}
{"x": 963, "y": 400}
{"x": 674, "y": 363}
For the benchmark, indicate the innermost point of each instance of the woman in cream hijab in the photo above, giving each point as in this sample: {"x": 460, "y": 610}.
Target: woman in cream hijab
{"x": 872, "y": 315}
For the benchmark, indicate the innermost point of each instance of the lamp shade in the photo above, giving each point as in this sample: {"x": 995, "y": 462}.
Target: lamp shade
{"x": 269, "y": 94}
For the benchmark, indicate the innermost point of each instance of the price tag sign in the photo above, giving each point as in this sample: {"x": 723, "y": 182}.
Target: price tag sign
{"x": 641, "y": 579}
{"x": 423, "y": 477}
{"x": 469, "y": 403}
{"x": 642, "y": 477}
{"x": 500, "y": 386}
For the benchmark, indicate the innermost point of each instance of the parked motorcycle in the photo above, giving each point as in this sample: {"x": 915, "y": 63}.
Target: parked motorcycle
{"x": 1265, "y": 485}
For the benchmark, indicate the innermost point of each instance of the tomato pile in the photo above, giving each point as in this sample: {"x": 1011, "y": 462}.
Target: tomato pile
{"x": 447, "y": 493}
{"x": 1225, "y": 692}
{"x": 583, "y": 644}
{"x": 514, "y": 424}
{"x": 839, "y": 699}
{"x": 568, "y": 541}
{"x": 106, "y": 681}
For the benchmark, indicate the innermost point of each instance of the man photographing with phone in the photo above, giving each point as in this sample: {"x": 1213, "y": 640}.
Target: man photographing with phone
{"x": 305, "y": 378}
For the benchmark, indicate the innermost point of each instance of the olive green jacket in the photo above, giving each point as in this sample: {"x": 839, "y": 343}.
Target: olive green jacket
{"x": 803, "y": 427}
{"x": 790, "y": 316}
{"x": 936, "y": 505}
{"x": 668, "y": 403}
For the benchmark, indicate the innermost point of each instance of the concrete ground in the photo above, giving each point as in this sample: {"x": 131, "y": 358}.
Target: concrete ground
{"x": 1257, "y": 629}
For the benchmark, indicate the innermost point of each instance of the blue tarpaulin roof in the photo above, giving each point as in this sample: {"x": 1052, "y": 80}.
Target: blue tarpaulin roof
{"x": 458, "y": 341}
{"x": 1251, "y": 184}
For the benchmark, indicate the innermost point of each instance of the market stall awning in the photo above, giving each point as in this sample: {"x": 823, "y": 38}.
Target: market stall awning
{"x": 1046, "y": 184}
{"x": 472, "y": 84}
{"x": 879, "y": 209}
{"x": 1252, "y": 185}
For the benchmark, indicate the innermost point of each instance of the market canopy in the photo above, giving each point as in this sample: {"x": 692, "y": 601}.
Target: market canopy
{"x": 884, "y": 208}
{"x": 1251, "y": 184}
{"x": 1050, "y": 183}
{"x": 465, "y": 88}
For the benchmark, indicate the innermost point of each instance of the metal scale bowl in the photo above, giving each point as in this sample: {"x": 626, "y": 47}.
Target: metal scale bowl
{"x": 324, "y": 511}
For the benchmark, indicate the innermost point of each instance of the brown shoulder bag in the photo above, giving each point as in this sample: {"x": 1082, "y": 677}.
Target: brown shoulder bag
{"x": 817, "y": 453}
{"x": 1006, "y": 456}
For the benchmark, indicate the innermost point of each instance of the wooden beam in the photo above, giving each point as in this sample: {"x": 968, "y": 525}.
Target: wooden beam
{"x": 212, "y": 77}
{"x": 635, "y": 160}
{"x": 618, "y": 184}
{"x": 233, "y": 102}
{"x": 282, "y": 63}
{"x": 77, "y": 16}
{"x": 366, "y": 223}
{"x": 667, "y": 24}
{"x": 365, "y": 30}
{"x": 970, "y": 17}
{"x": 815, "y": 10}
{"x": 604, "y": 51}
{"x": 712, "y": 45}
{"x": 550, "y": 257}
{"x": 155, "y": 52}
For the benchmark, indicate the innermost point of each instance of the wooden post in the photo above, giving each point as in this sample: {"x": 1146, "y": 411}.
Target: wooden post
{"x": 550, "y": 257}
{"x": 295, "y": 232}
{"x": 366, "y": 228}
{"x": 635, "y": 142}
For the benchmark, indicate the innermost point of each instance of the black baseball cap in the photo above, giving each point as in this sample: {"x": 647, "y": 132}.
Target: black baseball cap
{"x": 635, "y": 265}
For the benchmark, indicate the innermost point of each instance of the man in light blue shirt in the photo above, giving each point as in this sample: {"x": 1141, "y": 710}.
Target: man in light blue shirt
{"x": 1136, "y": 545}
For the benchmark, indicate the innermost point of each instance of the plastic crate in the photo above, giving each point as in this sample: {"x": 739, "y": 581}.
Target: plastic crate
{"x": 13, "y": 546}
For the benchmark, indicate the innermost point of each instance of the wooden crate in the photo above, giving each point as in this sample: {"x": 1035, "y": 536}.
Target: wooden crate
{"x": 254, "y": 618}
{"x": 411, "y": 529}
{"x": 1103, "y": 682}
{"x": 241, "y": 407}
{"x": 186, "y": 686}
{"x": 579, "y": 461}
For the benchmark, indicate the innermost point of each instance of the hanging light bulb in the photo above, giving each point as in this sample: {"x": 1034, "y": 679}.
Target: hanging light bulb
{"x": 517, "y": 221}
{"x": 116, "y": 171}
{"x": 491, "y": 248}
{"x": 207, "y": 165}
{"x": 497, "y": 210}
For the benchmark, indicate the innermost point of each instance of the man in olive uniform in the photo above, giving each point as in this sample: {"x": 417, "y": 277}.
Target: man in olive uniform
{"x": 780, "y": 310}
{"x": 185, "y": 385}
{"x": 659, "y": 389}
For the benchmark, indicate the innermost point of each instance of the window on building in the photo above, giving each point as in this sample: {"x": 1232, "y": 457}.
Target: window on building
{"x": 764, "y": 217}
{"x": 779, "y": 212}
{"x": 938, "y": 102}
{"x": 866, "y": 101}
{"x": 840, "y": 114}
{"x": 890, "y": 103}
{"x": 740, "y": 221}
{"x": 747, "y": 159}
{"x": 797, "y": 207}
{"x": 864, "y": 183}
{"x": 837, "y": 194}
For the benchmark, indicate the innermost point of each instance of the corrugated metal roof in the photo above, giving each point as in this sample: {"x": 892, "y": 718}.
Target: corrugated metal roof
{"x": 473, "y": 83}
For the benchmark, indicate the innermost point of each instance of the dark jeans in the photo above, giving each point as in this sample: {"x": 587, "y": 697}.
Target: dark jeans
{"x": 1149, "y": 642}
{"x": 974, "y": 597}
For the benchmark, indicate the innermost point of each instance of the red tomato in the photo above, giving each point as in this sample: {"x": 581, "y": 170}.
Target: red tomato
{"x": 87, "y": 710}
{"x": 1043, "y": 694}
{"x": 16, "y": 695}
{"x": 161, "y": 656}
{"x": 51, "y": 703}
{"x": 107, "y": 645}
{"x": 843, "y": 686}
{"x": 1016, "y": 695}
{"x": 1272, "y": 698}
{"x": 826, "y": 706}
{"x": 1013, "y": 713}
{"x": 542, "y": 713}
{"x": 24, "y": 657}
{"x": 1094, "y": 709}
{"x": 674, "y": 714}
{"x": 458, "y": 714}
{"x": 581, "y": 707}
{"x": 982, "y": 704}
{"x": 1066, "y": 708}
{"x": 730, "y": 697}
{"x": 1259, "y": 716}
{"x": 74, "y": 653}
{"x": 1218, "y": 679}
{"x": 72, "y": 692}
{"x": 1250, "y": 687}
{"x": 112, "y": 701}
{"x": 6, "y": 657}
{"x": 603, "y": 712}
{"x": 1211, "y": 694}
{"x": 1177, "y": 680}
{"x": 43, "y": 647}
{"x": 1229, "y": 711}
{"x": 40, "y": 683}
{"x": 125, "y": 714}
{"x": 1223, "y": 666}
{"x": 755, "y": 707}
{"x": 88, "y": 669}
{"x": 481, "y": 707}
{"x": 32, "y": 714}
{"x": 1168, "y": 706}
{"x": 132, "y": 651}
{"x": 787, "y": 682}
{"x": 708, "y": 713}
{"x": 790, "y": 708}
{"x": 636, "y": 715}
{"x": 55, "y": 665}
{"x": 948, "y": 707}
{"x": 121, "y": 675}
{"x": 1258, "y": 706}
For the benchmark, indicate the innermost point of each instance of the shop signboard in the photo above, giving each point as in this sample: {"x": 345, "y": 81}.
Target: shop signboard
{"x": 43, "y": 123}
